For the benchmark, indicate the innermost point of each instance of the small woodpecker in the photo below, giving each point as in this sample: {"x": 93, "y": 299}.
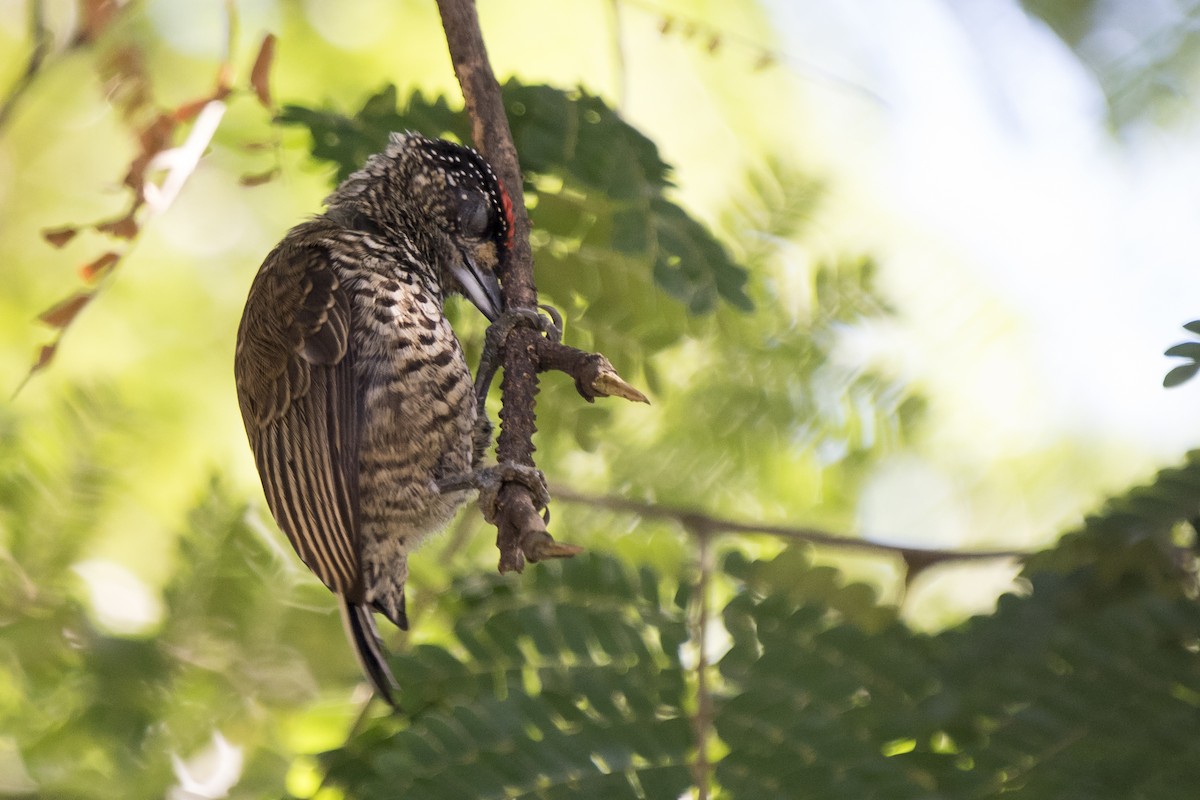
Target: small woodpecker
{"x": 356, "y": 397}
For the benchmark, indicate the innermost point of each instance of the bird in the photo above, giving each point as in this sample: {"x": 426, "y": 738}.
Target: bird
{"x": 357, "y": 400}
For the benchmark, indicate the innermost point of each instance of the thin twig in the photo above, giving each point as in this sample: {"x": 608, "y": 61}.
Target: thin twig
{"x": 916, "y": 558}
{"x": 41, "y": 48}
{"x": 702, "y": 723}
{"x": 764, "y": 56}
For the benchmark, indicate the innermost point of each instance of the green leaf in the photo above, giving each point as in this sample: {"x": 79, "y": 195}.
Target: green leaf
{"x": 1186, "y": 350}
{"x": 573, "y": 689}
{"x": 1180, "y": 374}
{"x": 594, "y": 182}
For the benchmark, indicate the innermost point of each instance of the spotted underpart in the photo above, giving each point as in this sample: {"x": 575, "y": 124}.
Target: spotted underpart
{"x": 354, "y": 390}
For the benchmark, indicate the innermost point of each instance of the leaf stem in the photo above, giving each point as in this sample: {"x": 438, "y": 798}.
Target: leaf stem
{"x": 702, "y": 723}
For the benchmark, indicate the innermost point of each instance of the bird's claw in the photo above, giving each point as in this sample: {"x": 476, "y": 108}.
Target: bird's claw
{"x": 488, "y": 481}
{"x": 491, "y": 480}
{"x": 553, "y": 327}
{"x": 550, "y": 324}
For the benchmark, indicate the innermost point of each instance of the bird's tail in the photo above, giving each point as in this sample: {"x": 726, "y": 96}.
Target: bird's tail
{"x": 361, "y": 630}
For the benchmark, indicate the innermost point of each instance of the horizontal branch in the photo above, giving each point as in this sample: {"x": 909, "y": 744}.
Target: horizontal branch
{"x": 697, "y": 522}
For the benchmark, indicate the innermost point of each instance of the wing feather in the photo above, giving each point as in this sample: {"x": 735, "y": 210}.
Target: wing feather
{"x": 302, "y": 408}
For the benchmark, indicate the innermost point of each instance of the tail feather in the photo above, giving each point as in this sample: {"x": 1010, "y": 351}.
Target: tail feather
{"x": 361, "y": 630}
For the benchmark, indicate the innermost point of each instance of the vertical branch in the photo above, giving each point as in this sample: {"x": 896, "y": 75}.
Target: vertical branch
{"x": 521, "y": 532}
{"x": 702, "y": 723}
{"x": 492, "y": 135}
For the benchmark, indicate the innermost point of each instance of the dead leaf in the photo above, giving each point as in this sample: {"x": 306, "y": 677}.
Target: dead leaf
{"x": 261, "y": 73}
{"x": 260, "y": 178}
{"x": 96, "y": 269}
{"x": 60, "y": 314}
{"x": 45, "y": 353}
{"x": 60, "y": 236}
{"x": 123, "y": 227}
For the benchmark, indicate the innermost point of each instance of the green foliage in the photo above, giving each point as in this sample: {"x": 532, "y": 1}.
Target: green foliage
{"x": 565, "y": 683}
{"x": 574, "y": 679}
{"x": 1049, "y": 696}
{"x": 1082, "y": 688}
{"x": 571, "y": 679}
{"x": 1188, "y": 350}
{"x": 569, "y": 683}
{"x": 1131, "y": 544}
{"x": 597, "y": 193}
{"x": 99, "y": 713}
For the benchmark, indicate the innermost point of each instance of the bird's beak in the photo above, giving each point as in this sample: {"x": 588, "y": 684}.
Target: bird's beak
{"x": 481, "y": 287}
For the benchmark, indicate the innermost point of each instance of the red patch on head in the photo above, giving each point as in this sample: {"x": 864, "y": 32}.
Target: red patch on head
{"x": 506, "y": 202}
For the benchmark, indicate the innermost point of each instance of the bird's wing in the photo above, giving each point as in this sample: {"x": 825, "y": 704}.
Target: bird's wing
{"x": 297, "y": 390}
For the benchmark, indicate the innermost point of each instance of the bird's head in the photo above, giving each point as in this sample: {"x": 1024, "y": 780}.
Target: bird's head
{"x": 443, "y": 201}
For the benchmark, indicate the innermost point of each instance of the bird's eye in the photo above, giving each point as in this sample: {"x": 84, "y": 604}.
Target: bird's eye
{"x": 473, "y": 217}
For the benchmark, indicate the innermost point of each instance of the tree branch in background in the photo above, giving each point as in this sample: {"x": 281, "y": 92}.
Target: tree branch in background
{"x": 521, "y": 532}
{"x": 915, "y": 559}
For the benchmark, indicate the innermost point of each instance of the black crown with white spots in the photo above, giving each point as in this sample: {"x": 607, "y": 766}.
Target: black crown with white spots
{"x": 417, "y": 180}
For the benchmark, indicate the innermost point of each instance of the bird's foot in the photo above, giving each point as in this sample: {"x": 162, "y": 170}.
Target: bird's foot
{"x": 498, "y": 332}
{"x": 488, "y": 481}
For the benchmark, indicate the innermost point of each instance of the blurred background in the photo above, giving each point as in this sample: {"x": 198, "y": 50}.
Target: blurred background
{"x": 950, "y": 241}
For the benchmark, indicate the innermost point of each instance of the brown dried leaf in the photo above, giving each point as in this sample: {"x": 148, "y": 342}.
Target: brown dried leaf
{"x": 261, "y": 73}
{"x": 123, "y": 227}
{"x": 96, "y": 269}
{"x": 260, "y": 178}
{"x": 60, "y": 236}
{"x": 43, "y": 358}
{"x": 61, "y": 314}
{"x": 44, "y": 355}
